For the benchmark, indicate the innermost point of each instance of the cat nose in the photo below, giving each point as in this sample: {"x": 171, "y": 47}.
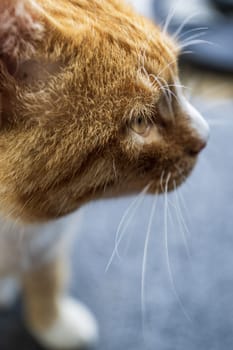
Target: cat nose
{"x": 197, "y": 147}
{"x": 200, "y": 146}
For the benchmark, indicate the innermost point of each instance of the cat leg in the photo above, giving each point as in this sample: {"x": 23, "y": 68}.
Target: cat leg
{"x": 57, "y": 321}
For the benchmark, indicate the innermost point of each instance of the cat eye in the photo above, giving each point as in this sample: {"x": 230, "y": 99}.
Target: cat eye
{"x": 140, "y": 125}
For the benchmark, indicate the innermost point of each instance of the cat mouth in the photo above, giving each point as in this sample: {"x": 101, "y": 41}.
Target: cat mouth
{"x": 167, "y": 181}
{"x": 175, "y": 179}
{"x": 171, "y": 178}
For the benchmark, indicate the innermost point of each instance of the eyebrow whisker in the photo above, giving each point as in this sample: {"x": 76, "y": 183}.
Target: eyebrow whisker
{"x": 196, "y": 42}
{"x": 185, "y": 21}
{"x": 194, "y": 36}
{"x": 191, "y": 31}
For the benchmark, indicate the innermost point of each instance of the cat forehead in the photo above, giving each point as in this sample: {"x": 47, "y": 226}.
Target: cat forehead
{"x": 110, "y": 20}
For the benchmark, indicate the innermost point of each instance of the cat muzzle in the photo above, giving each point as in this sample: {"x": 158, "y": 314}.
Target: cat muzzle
{"x": 197, "y": 123}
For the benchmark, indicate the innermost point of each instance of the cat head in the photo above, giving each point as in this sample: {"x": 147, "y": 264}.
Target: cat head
{"x": 91, "y": 106}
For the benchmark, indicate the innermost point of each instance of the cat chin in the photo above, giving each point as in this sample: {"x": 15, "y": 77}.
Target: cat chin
{"x": 169, "y": 181}
{"x": 155, "y": 181}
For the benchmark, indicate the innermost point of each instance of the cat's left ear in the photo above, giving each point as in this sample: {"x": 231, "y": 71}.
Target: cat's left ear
{"x": 20, "y": 29}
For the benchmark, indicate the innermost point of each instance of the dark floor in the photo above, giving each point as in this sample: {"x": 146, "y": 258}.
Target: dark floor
{"x": 191, "y": 310}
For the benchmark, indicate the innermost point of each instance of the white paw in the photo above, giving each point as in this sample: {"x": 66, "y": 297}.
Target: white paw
{"x": 74, "y": 328}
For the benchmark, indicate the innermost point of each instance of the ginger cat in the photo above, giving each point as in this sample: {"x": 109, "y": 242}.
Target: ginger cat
{"x": 90, "y": 107}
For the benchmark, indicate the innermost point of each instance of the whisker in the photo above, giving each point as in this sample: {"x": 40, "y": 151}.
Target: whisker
{"x": 167, "y": 249}
{"x": 191, "y": 37}
{"x": 180, "y": 223}
{"x": 179, "y": 85}
{"x": 176, "y": 34}
{"x": 167, "y": 66}
{"x": 144, "y": 262}
{"x": 186, "y": 52}
{"x": 197, "y": 42}
{"x": 191, "y": 31}
{"x": 168, "y": 20}
{"x": 166, "y": 92}
{"x": 173, "y": 94}
{"x": 133, "y": 206}
{"x": 130, "y": 235}
{"x": 180, "y": 212}
{"x": 183, "y": 203}
{"x": 161, "y": 180}
{"x": 119, "y": 233}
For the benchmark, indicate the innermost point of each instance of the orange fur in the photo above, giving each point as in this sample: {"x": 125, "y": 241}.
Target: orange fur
{"x": 84, "y": 114}
{"x": 65, "y": 137}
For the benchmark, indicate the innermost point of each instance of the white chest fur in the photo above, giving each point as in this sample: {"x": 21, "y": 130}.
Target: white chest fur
{"x": 22, "y": 247}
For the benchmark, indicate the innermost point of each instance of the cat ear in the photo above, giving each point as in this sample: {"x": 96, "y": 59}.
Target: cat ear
{"x": 20, "y": 29}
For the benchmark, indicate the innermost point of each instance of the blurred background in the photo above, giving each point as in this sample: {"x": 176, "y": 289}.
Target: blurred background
{"x": 181, "y": 296}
